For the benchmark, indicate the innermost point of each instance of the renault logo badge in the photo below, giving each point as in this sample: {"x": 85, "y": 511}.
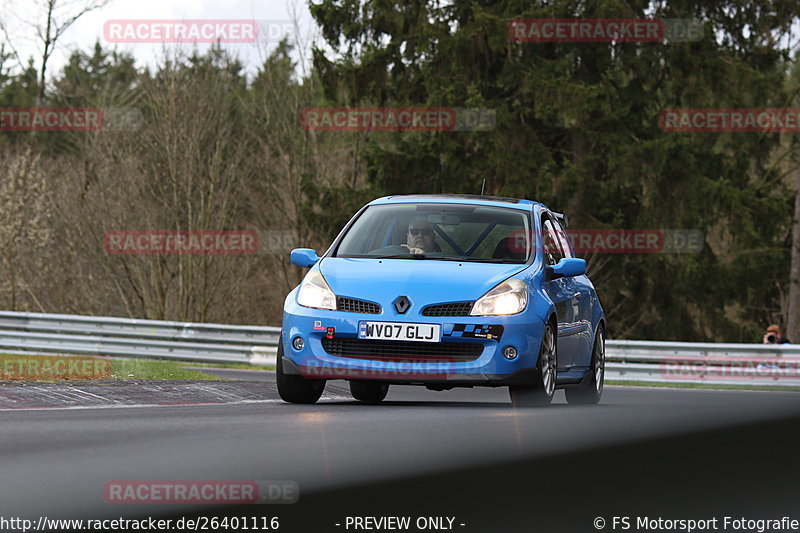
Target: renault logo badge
{"x": 402, "y": 304}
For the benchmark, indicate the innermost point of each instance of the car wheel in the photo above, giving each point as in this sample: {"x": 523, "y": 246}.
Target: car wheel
{"x": 369, "y": 391}
{"x": 296, "y": 389}
{"x": 590, "y": 392}
{"x": 541, "y": 392}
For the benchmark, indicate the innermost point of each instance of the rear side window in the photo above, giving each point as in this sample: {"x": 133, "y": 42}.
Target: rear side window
{"x": 563, "y": 239}
{"x": 551, "y": 243}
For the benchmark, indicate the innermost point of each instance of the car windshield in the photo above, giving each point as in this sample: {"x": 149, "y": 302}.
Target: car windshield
{"x": 443, "y": 232}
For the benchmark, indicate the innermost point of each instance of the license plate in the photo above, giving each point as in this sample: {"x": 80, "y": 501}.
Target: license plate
{"x": 400, "y": 331}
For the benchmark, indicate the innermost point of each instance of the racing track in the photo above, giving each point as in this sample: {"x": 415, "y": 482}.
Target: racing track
{"x": 462, "y": 452}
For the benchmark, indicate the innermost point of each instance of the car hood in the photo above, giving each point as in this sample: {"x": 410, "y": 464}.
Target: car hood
{"x": 421, "y": 280}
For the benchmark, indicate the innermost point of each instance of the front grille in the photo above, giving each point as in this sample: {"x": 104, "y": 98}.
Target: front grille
{"x": 351, "y": 305}
{"x": 402, "y": 351}
{"x": 454, "y": 309}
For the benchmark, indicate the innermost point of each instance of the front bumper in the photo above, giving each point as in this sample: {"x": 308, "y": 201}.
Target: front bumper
{"x": 490, "y": 368}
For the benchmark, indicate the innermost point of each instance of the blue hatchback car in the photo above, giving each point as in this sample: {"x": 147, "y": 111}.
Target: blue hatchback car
{"x": 445, "y": 291}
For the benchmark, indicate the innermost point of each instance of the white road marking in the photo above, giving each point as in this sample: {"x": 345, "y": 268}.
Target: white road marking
{"x": 94, "y": 395}
{"x": 124, "y": 406}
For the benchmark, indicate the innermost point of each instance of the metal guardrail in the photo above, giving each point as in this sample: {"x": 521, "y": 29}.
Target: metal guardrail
{"x": 627, "y": 361}
{"x": 703, "y": 363}
{"x": 87, "y": 335}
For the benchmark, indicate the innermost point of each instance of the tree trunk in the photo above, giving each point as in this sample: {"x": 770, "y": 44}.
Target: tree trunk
{"x": 793, "y": 319}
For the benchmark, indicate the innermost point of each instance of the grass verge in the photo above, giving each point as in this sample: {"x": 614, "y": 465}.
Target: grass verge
{"x": 154, "y": 369}
{"x": 59, "y": 368}
{"x": 233, "y": 366}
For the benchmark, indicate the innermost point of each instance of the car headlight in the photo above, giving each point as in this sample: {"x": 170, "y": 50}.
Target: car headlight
{"x": 314, "y": 292}
{"x": 507, "y": 298}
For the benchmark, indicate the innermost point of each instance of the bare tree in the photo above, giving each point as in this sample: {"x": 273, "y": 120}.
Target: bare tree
{"x": 57, "y": 17}
{"x": 23, "y": 217}
{"x": 180, "y": 171}
{"x": 4, "y": 56}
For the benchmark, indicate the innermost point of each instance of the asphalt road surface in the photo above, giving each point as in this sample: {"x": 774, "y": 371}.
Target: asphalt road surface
{"x": 465, "y": 453}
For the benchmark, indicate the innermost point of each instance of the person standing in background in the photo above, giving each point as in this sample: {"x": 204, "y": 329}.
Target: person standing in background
{"x": 773, "y": 335}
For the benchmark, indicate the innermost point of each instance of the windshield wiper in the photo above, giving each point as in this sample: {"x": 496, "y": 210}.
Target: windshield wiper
{"x": 472, "y": 260}
{"x": 500, "y": 260}
{"x": 419, "y": 256}
{"x": 397, "y": 256}
{"x": 446, "y": 258}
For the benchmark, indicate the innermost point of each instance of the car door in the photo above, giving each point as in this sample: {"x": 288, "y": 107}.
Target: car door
{"x": 582, "y": 299}
{"x": 561, "y": 291}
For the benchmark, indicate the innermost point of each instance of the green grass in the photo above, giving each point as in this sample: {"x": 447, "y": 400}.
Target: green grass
{"x": 154, "y": 369}
{"x": 235, "y": 366}
{"x": 707, "y": 386}
{"x": 124, "y": 368}
{"x": 121, "y": 369}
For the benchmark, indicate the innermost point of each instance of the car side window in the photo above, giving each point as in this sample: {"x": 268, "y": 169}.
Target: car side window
{"x": 563, "y": 239}
{"x": 552, "y": 247}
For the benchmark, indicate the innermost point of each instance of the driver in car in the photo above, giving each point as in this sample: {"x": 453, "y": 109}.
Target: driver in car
{"x": 420, "y": 237}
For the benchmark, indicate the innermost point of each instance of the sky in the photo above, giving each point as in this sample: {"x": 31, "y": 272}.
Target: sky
{"x": 274, "y": 17}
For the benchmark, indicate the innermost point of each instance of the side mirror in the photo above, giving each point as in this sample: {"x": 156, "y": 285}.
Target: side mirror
{"x": 566, "y": 268}
{"x": 304, "y": 257}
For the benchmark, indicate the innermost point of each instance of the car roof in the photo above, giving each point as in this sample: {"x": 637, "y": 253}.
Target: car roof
{"x": 497, "y": 201}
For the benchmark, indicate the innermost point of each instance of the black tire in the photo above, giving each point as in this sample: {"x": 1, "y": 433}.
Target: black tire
{"x": 540, "y": 393}
{"x": 296, "y": 389}
{"x": 590, "y": 392}
{"x": 369, "y": 391}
